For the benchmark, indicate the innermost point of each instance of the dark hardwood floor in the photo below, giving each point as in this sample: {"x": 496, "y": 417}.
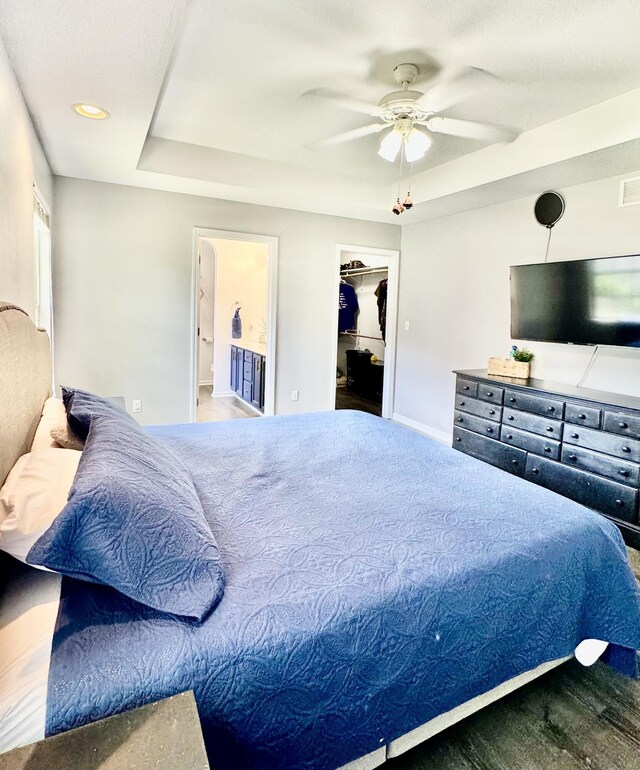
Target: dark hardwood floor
{"x": 345, "y": 400}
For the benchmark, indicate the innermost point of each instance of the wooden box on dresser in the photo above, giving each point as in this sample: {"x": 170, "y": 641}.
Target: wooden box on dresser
{"x": 583, "y": 444}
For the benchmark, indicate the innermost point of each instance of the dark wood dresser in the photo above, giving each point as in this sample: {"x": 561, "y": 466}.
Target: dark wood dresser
{"x": 583, "y": 444}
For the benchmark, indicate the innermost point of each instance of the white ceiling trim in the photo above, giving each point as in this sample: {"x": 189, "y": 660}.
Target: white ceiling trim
{"x": 604, "y": 125}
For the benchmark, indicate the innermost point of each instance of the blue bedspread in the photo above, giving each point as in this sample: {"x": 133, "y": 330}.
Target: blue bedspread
{"x": 374, "y": 580}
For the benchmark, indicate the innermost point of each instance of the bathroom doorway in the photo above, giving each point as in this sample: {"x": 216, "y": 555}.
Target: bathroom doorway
{"x": 366, "y": 326}
{"x": 233, "y": 340}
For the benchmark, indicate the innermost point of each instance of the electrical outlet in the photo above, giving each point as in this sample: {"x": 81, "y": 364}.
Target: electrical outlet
{"x": 136, "y": 405}
{"x": 294, "y": 395}
{"x": 406, "y": 326}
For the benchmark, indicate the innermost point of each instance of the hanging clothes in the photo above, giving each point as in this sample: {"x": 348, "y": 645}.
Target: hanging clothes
{"x": 347, "y": 307}
{"x": 236, "y": 325}
{"x": 381, "y": 294}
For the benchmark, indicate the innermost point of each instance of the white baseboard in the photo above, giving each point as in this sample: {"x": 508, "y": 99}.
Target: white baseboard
{"x": 205, "y": 383}
{"x": 439, "y": 435}
{"x": 222, "y": 394}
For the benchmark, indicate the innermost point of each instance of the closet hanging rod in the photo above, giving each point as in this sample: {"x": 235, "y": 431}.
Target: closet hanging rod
{"x": 364, "y": 270}
{"x": 363, "y": 336}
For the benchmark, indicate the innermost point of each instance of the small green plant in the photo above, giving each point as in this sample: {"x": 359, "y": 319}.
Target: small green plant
{"x": 522, "y": 354}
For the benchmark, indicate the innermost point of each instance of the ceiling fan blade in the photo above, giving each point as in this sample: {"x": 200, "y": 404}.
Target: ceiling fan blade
{"x": 470, "y": 129}
{"x": 341, "y": 100}
{"x": 453, "y": 88}
{"x": 355, "y": 133}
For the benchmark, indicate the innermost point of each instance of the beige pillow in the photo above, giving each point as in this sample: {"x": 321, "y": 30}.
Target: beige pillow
{"x": 35, "y": 492}
{"x": 53, "y": 415}
{"x": 66, "y": 438}
{"x": 53, "y": 429}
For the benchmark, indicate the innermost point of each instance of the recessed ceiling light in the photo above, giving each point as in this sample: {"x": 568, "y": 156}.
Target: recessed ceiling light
{"x": 89, "y": 111}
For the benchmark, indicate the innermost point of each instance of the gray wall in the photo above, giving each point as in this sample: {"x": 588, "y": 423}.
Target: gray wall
{"x": 22, "y": 162}
{"x": 122, "y": 292}
{"x": 454, "y": 291}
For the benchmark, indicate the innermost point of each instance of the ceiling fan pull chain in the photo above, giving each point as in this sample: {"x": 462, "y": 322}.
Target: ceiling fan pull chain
{"x": 398, "y": 207}
{"x": 408, "y": 203}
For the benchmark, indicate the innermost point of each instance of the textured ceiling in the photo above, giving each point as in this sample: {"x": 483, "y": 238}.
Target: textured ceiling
{"x": 210, "y": 98}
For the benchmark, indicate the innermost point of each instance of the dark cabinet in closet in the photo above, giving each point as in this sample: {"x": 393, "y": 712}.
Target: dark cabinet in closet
{"x": 364, "y": 378}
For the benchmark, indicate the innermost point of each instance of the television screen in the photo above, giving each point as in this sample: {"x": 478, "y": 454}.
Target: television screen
{"x": 584, "y": 302}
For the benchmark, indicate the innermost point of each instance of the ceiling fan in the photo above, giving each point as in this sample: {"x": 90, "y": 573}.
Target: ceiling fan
{"x": 401, "y": 111}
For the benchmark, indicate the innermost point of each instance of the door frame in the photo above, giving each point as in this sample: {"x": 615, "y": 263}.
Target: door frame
{"x": 391, "y": 329}
{"x": 271, "y": 243}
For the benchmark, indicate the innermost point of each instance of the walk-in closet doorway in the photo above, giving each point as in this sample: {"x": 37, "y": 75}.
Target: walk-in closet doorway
{"x": 366, "y": 319}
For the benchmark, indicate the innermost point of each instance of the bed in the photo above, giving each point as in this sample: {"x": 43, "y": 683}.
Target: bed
{"x": 379, "y": 587}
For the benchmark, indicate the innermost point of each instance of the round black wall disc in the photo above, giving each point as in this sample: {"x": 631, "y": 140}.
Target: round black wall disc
{"x": 549, "y": 208}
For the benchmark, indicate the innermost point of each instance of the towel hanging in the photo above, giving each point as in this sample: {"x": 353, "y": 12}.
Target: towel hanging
{"x": 236, "y": 325}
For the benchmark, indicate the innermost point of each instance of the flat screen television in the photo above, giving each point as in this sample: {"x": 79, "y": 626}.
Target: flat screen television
{"x": 582, "y": 302}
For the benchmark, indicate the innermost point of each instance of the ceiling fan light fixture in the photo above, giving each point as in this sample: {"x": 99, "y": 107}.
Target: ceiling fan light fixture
{"x": 415, "y": 145}
{"x": 390, "y": 145}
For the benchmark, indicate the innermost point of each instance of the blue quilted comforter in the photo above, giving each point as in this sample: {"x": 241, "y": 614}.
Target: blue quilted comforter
{"x": 374, "y": 580}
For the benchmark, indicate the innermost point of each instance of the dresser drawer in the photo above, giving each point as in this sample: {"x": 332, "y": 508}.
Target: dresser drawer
{"x": 490, "y": 393}
{"x": 536, "y": 404}
{"x": 479, "y": 408}
{"x": 476, "y": 424}
{"x": 582, "y": 415}
{"x": 506, "y": 457}
{"x": 618, "y": 446}
{"x": 248, "y": 369}
{"x": 618, "y": 470}
{"x": 531, "y": 442}
{"x": 544, "y": 426}
{"x": 624, "y": 424}
{"x": 603, "y": 495}
{"x": 468, "y": 387}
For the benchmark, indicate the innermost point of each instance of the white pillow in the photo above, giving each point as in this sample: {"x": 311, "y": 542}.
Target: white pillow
{"x": 35, "y": 492}
{"x": 54, "y": 415}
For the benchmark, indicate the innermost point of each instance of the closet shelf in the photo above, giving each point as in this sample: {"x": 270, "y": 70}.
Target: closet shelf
{"x": 363, "y": 336}
{"x": 365, "y": 271}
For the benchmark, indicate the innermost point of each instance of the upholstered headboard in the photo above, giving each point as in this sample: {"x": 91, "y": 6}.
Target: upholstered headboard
{"x": 25, "y": 383}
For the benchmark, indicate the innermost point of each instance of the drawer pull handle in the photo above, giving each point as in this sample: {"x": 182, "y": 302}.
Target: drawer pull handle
{"x": 462, "y": 403}
{"x": 624, "y": 473}
{"x": 582, "y": 416}
{"x": 550, "y": 429}
{"x": 492, "y": 411}
{"x": 626, "y": 449}
{"x": 460, "y": 419}
{"x": 572, "y": 457}
{"x": 509, "y": 436}
{"x": 489, "y": 430}
{"x": 535, "y": 471}
{"x": 466, "y": 387}
{"x": 552, "y": 409}
{"x": 513, "y": 399}
{"x": 547, "y": 449}
{"x": 514, "y": 462}
{"x": 458, "y": 438}
{"x": 619, "y": 503}
{"x": 575, "y": 435}
{"x": 511, "y": 417}
{"x": 622, "y": 425}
